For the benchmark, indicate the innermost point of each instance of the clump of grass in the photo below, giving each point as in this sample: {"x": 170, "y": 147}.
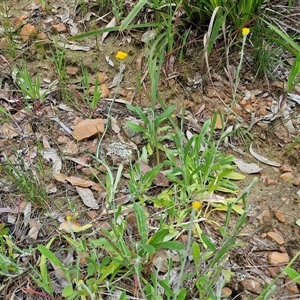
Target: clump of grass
{"x": 27, "y": 181}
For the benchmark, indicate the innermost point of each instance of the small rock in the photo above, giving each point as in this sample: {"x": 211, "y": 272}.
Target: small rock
{"x": 243, "y": 102}
{"x": 4, "y": 43}
{"x": 183, "y": 238}
{"x": 248, "y": 108}
{"x": 188, "y": 104}
{"x": 296, "y": 181}
{"x": 122, "y": 92}
{"x": 285, "y": 169}
{"x": 88, "y": 128}
{"x": 72, "y": 70}
{"x": 277, "y": 258}
{"x": 18, "y": 22}
{"x": 270, "y": 181}
{"x": 252, "y": 286}
{"x": 262, "y": 111}
{"x": 274, "y": 271}
{"x": 264, "y": 217}
{"x": 286, "y": 176}
{"x": 279, "y": 216}
{"x": 59, "y": 28}
{"x": 71, "y": 148}
{"x": 62, "y": 140}
{"x": 226, "y": 291}
{"x": 102, "y": 77}
{"x": 42, "y": 36}
{"x": 291, "y": 287}
{"x": 129, "y": 96}
{"x": 28, "y": 31}
{"x": 275, "y": 237}
{"x": 89, "y": 171}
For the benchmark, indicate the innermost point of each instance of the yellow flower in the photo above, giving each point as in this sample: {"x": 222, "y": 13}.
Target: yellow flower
{"x": 245, "y": 31}
{"x": 121, "y": 55}
{"x": 196, "y": 205}
{"x": 68, "y": 218}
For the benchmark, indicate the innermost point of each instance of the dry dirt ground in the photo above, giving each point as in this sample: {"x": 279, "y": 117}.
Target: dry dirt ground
{"x": 274, "y": 201}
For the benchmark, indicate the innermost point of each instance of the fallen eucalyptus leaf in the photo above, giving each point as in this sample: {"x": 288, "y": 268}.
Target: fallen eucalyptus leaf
{"x": 51, "y": 154}
{"x": 263, "y": 159}
{"x": 109, "y": 61}
{"x": 74, "y": 47}
{"x": 112, "y": 23}
{"x": 87, "y": 197}
{"x": 294, "y": 97}
{"x": 248, "y": 168}
{"x": 73, "y": 226}
{"x": 148, "y": 35}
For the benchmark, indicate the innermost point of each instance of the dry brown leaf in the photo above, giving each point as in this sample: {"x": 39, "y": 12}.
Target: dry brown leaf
{"x": 28, "y": 31}
{"x": 73, "y": 225}
{"x": 104, "y": 90}
{"x": 219, "y": 124}
{"x": 9, "y": 131}
{"x": 60, "y": 177}
{"x": 87, "y": 197}
{"x": 88, "y": 128}
{"x": 114, "y": 125}
{"x": 18, "y": 21}
{"x": 161, "y": 180}
{"x": 160, "y": 260}
{"x": 34, "y": 229}
{"x": 46, "y": 144}
{"x": 76, "y": 181}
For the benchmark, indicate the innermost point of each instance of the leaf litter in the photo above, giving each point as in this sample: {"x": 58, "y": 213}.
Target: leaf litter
{"x": 116, "y": 143}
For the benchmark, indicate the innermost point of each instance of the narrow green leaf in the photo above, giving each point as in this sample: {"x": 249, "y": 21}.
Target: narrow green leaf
{"x": 50, "y": 255}
{"x": 196, "y": 252}
{"x": 294, "y": 75}
{"x": 109, "y": 270}
{"x": 158, "y": 237}
{"x": 205, "y": 239}
{"x": 132, "y": 14}
{"x": 235, "y": 176}
{"x": 172, "y": 245}
{"x": 289, "y": 40}
{"x": 167, "y": 288}
{"x": 293, "y": 274}
{"x": 182, "y": 294}
{"x": 141, "y": 219}
{"x": 148, "y": 248}
{"x": 135, "y": 127}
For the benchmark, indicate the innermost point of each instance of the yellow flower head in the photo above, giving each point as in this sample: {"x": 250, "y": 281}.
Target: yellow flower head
{"x": 121, "y": 55}
{"x": 68, "y": 218}
{"x": 196, "y": 205}
{"x": 245, "y": 31}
